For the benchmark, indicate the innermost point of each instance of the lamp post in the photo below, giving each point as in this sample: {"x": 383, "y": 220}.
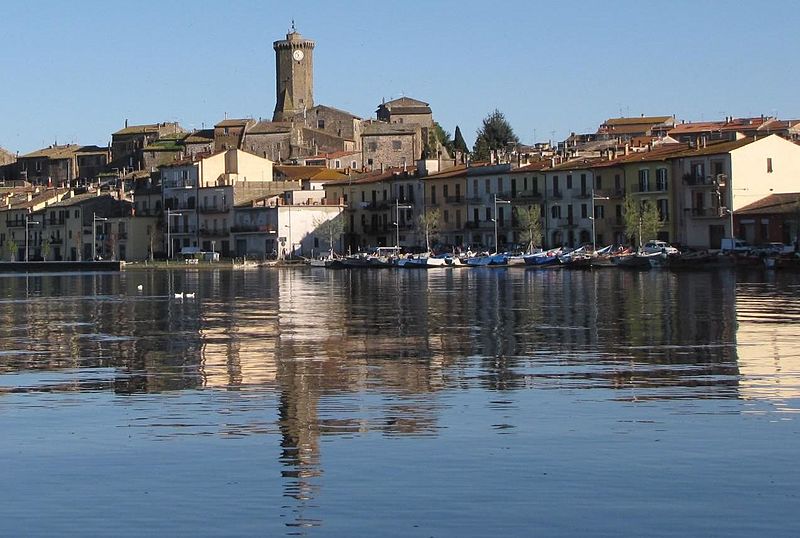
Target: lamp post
{"x": 398, "y": 207}
{"x": 592, "y": 218}
{"x": 496, "y": 201}
{"x": 28, "y": 222}
{"x": 95, "y": 219}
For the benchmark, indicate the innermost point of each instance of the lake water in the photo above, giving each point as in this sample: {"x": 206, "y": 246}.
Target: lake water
{"x": 473, "y": 402}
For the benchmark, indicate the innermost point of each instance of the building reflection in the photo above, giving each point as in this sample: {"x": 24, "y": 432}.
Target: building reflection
{"x": 356, "y": 352}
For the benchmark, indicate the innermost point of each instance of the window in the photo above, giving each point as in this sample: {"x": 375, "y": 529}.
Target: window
{"x": 644, "y": 180}
{"x": 598, "y": 182}
{"x": 475, "y": 215}
{"x": 662, "y": 204}
{"x": 769, "y": 165}
{"x": 617, "y": 183}
{"x": 401, "y": 193}
{"x": 397, "y": 145}
{"x": 555, "y": 211}
{"x": 446, "y": 216}
{"x": 569, "y": 181}
{"x": 535, "y": 185}
{"x": 584, "y": 211}
{"x": 458, "y": 190}
{"x": 661, "y": 179}
{"x": 488, "y": 186}
{"x": 38, "y": 166}
{"x": 583, "y": 183}
{"x": 717, "y": 166}
{"x": 337, "y": 164}
{"x": 320, "y": 124}
{"x": 433, "y": 194}
{"x": 599, "y": 211}
{"x": 353, "y": 165}
{"x": 475, "y": 187}
{"x": 555, "y": 185}
{"x": 372, "y": 146}
{"x": 458, "y": 218}
{"x": 499, "y": 184}
{"x": 369, "y": 162}
{"x": 488, "y": 213}
{"x": 445, "y": 191}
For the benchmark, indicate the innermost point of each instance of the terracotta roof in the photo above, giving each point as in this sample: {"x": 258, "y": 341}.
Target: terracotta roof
{"x": 39, "y": 199}
{"x": 642, "y": 120}
{"x": 139, "y": 129}
{"x": 380, "y": 128}
{"x": 577, "y": 164}
{"x": 410, "y": 110}
{"x": 772, "y": 204}
{"x": 297, "y": 172}
{"x": 696, "y": 127}
{"x": 270, "y": 127}
{"x": 54, "y": 152}
{"x": 378, "y": 176}
{"x": 404, "y": 101}
{"x": 240, "y": 122}
{"x": 532, "y": 167}
{"x": 458, "y": 171}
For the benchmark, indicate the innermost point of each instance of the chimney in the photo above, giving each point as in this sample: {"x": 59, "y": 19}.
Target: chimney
{"x": 381, "y": 168}
{"x": 126, "y": 123}
{"x": 627, "y": 148}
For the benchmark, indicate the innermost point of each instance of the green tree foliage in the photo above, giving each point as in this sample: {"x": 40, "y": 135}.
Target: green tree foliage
{"x": 45, "y": 249}
{"x": 12, "y": 249}
{"x": 438, "y": 136}
{"x": 495, "y": 134}
{"x": 458, "y": 142}
{"x": 530, "y": 220}
{"x": 330, "y": 229}
{"x": 642, "y": 220}
{"x": 428, "y": 226}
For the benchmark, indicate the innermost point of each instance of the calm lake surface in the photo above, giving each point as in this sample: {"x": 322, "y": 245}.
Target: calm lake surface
{"x": 474, "y": 402}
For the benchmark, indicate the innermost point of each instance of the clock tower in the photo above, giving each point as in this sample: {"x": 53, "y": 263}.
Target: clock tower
{"x": 294, "y": 75}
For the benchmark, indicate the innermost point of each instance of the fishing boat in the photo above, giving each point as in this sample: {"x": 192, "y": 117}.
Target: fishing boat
{"x": 543, "y": 259}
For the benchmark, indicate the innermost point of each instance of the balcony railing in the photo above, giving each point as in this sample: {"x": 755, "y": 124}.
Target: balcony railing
{"x": 707, "y": 212}
{"x": 17, "y": 223}
{"x": 610, "y": 193}
{"x": 556, "y": 194}
{"x": 214, "y": 232}
{"x": 454, "y": 199}
{"x": 698, "y": 180}
{"x": 528, "y": 195}
{"x": 253, "y": 228}
{"x": 214, "y": 209}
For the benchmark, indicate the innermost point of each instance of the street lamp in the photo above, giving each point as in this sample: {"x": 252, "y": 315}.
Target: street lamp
{"x": 95, "y": 219}
{"x": 28, "y": 222}
{"x": 398, "y": 207}
{"x": 496, "y": 201}
{"x": 170, "y": 213}
{"x": 592, "y": 218}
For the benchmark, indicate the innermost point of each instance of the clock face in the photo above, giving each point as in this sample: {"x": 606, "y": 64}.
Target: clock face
{"x": 297, "y": 55}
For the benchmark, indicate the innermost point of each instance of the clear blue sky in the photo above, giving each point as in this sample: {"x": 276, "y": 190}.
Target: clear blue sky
{"x": 74, "y": 71}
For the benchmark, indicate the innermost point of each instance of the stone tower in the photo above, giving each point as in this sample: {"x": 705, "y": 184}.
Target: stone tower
{"x": 294, "y": 75}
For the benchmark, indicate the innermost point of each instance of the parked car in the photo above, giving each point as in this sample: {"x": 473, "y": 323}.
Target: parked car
{"x": 772, "y": 249}
{"x": 655, "y": 246}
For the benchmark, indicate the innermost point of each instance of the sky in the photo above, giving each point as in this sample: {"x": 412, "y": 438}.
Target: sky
{"x": 75, "y": 71}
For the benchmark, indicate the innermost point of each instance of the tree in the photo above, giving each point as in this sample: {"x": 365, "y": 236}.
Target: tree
{"x": 12, "y": 249}
{"x": 437, "y": 136}
{"x": 495, "y": 134}
{"x": 429, "y": 225}
{"x": 45, "y": 248}
{"x": 330, "y": 229}
{"x": 641, "y": 219}
{"x": 530, "y": 220}
{"x": 458, "y": 142}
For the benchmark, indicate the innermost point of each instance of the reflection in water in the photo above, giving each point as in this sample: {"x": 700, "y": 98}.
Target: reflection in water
{"x": 351, "y": 352}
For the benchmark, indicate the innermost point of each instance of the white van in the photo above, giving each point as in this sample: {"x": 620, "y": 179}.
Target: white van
{"x": 735, "y": 245}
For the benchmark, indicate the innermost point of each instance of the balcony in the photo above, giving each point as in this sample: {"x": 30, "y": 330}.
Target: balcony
{"x": 583, "y": 195}
{"x": 454, "y": 199}
{"x": 214, "y": 232}
{"x": 528, "y": 195}
{"x": 556, "y": 194}
{"x": 611, "y": 193}
{"x": 377, "y": 206}
{"x": 697, "y": 180}
{"x": 707, "y": 212}
{"x": 253, "y": 228}
{"x": 16, "y": 223}
{"x": 214, "y": 209}
{"x": 177, "y": 230}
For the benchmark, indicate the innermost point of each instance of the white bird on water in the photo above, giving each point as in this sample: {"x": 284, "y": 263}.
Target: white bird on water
{"x": 184, "y": 295}
{"x": 140, "y": 287}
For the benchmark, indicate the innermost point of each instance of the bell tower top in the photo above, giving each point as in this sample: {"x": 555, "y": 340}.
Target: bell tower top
{"x": 294, "y": 75}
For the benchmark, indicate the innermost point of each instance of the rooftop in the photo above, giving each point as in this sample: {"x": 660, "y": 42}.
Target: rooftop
{"x": 772, "y": 204}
